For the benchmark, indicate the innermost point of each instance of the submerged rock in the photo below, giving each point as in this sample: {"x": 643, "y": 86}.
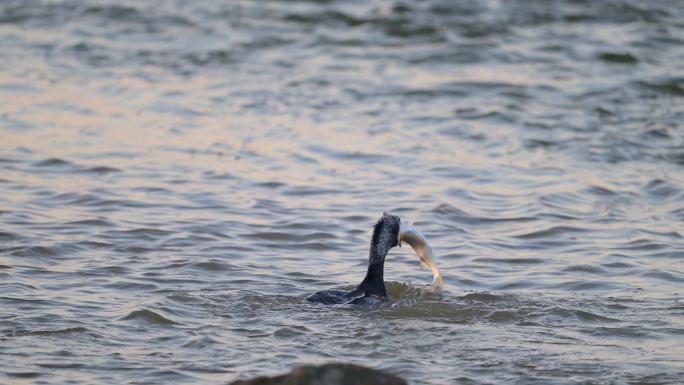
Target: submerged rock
{"x": 328, "y": 374}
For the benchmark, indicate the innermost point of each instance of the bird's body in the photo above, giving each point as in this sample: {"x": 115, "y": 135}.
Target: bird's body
{"x": 336, "y": 297}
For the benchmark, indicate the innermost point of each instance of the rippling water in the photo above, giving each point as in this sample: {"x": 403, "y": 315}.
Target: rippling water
{"x": 175, "y": 177}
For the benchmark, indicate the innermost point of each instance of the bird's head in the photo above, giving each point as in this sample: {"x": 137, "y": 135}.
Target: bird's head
{"x": 385, "y": 234}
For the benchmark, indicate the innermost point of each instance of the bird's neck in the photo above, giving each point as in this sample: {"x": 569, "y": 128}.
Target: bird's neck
{"x": 374, "y": 282}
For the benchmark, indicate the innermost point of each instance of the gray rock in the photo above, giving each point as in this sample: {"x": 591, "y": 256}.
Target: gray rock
{"x": 328, "y": 374}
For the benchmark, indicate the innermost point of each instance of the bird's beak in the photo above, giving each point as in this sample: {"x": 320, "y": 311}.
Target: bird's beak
{"x": 403, "y": 229}
{"x": 406, "y": 233}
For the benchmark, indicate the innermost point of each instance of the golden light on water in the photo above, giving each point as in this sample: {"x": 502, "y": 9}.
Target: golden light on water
{"x": 175, "y": 180}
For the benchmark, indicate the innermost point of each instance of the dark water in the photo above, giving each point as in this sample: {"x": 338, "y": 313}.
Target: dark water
{"x": 175, "y": 177}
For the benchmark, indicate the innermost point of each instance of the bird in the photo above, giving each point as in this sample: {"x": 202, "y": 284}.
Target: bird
{"x": 388, "y": 232}
{"x": 372, "y": 289}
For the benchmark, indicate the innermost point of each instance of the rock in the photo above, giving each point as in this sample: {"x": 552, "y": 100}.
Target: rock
{"x": 328, "y": 374}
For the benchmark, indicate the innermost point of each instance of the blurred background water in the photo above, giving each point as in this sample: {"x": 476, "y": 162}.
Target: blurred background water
{"x": 175, "y": 177}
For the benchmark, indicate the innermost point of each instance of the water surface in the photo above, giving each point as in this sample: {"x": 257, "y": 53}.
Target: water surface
{"x": 175, "y": 177}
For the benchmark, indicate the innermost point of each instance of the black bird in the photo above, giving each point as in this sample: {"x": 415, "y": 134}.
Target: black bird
{"x": 372, "y": 289}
